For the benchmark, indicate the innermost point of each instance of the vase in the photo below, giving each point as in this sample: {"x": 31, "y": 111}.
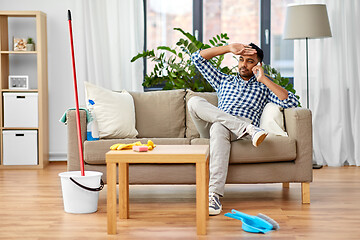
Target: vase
{"x": 30, "y": 47}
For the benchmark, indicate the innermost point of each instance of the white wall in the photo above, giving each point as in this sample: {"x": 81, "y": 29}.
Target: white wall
{"x": 61, "y": 90}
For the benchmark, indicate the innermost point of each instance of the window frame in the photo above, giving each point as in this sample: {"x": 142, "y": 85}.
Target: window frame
{"x": 265, "y": 31}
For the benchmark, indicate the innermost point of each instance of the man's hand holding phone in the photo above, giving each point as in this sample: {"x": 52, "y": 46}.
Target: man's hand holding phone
{"x": 258, "y": 71}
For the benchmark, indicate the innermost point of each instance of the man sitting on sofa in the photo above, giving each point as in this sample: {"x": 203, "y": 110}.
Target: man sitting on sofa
{"x": 241, "y": 100}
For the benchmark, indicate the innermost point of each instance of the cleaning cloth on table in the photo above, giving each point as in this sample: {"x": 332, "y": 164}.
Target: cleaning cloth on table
{"x": 63, "y": 119}
{"x": 253, "y": 224}
{"x": 123, "y": 146}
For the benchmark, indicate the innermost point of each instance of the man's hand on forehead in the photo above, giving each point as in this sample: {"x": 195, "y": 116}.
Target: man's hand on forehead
{"x": 242, "y": 49}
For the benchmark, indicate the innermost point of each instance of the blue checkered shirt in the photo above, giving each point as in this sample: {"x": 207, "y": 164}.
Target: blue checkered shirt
{"x": 237, "y": 96}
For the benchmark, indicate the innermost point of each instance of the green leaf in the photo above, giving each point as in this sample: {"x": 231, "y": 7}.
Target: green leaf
{"x": 168, "y": 86}
{"x": 192, "y": 48}
{"x": 166, "y": 49}
{"x": 141, "y": 55}
{"x": 199, "y": 45}
{"x": 206, "y": 46}
{"x": 188, "y": 35}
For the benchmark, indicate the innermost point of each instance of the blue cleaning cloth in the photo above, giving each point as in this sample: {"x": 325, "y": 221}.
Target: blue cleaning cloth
{"x": 250, "y": 223}
{"x": 63, "y": 119}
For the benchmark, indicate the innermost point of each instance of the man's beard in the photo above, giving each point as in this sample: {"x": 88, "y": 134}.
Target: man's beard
{"x": 247, "y": 75}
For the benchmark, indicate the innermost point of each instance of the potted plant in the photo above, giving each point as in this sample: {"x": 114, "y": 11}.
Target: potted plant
{"x": 176, "y": 70}
{"x": 30, "y": 45}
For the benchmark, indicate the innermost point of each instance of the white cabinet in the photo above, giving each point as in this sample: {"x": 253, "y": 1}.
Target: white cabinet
{"x": 21, "y": 110}
{"x": 20, "y": 147}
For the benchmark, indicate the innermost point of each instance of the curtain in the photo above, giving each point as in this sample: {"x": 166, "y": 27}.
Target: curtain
{"x": 107, "y": 34}
{"x": 334, "y": 77}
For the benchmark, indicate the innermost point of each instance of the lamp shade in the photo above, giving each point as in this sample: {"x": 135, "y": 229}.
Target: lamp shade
{"x": 306, "y": 21}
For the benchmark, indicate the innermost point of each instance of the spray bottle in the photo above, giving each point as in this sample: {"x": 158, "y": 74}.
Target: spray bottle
{"x": 92, "y": 126}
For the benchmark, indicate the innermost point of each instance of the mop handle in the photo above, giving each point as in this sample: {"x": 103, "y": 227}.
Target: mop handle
{"x": 76, "y": 100}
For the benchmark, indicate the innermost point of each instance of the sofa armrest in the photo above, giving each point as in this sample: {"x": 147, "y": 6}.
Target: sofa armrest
{"x": 298, "y": 124}
{"x": 73, "y": 159}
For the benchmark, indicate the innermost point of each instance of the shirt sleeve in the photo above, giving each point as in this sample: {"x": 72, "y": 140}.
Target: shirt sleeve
{"x": 210, "y": 73}
{"x": 290, "y": 102}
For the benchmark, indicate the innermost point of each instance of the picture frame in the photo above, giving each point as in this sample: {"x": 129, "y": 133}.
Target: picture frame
{"x": 20, "y": 44}
{"x": 18, "y": 82}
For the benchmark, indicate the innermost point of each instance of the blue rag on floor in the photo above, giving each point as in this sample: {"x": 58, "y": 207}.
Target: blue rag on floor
{"x": 63, "y": 119}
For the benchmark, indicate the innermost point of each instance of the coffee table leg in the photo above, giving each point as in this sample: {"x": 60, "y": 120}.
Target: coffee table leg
{"x": 201, "y": 198}
{"x": 123, "y": 190}
{"x": 111, "y": 198}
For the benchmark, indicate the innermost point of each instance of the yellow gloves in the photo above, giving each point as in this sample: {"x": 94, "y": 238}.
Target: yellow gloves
{"x": 122, "y": 146}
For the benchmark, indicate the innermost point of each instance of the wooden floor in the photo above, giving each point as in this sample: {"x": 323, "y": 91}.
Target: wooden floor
{"x": 31, "y": 207}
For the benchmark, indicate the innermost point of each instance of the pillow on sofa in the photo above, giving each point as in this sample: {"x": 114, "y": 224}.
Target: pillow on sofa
{"x": 160, "y": 114}
{"x": 115, "y": 112}
{"x": 272, "y": 119}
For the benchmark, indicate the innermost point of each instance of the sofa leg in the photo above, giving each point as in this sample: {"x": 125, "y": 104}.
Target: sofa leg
{"x": 286, "y": 185}
{"x": 305, "y": 192}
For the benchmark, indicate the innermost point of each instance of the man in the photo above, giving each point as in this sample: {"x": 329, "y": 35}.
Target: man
{"x": 241, "y": 100}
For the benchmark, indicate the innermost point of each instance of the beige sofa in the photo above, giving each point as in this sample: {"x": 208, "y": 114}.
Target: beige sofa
{"x": 162, "y": 116}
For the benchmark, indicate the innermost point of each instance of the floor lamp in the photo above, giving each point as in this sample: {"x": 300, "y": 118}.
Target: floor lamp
{"x": 307, "y": 21}
{"x": 304, "y": 22}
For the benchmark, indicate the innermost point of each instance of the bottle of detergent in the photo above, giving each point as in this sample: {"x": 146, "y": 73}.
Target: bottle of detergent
{"x": 92, "y": 126}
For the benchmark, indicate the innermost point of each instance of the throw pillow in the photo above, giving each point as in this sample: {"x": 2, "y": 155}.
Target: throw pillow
{"x": 272, "y": 120}
{"x": 160, "y": 114}
{"x": 115, "y": 112}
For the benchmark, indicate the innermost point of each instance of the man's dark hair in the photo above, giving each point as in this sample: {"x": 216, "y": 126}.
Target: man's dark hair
{"x": 259, "y": 51}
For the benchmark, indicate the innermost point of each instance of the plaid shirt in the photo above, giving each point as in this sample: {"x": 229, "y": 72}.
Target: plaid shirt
{"x": 237, "y": 96}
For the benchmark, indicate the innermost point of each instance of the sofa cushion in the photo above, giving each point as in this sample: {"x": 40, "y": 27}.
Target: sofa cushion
{"x": 200, "y": 141}
{"x": 94, "y": 151}
{"x": 273, "y": 149}
{"x": 160, "y": 114}
{"x": 211, "y": 97}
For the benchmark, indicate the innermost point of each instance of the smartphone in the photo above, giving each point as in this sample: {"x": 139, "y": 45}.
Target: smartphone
{"x": 257, "y": 72}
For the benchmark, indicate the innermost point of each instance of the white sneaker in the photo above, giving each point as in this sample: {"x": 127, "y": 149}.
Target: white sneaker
{"x": 257, "y": 134}
{"x": 214, "y": 204}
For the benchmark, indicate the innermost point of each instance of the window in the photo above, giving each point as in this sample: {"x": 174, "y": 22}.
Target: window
{"x": 238, "y": 18}
{"x": 243, "y": 20}
{"x": 162, "y": 16}
{"x": 282, "y": 51}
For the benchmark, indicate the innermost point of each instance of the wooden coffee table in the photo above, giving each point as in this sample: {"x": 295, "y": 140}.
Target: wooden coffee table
{"x": 196, "y": 154}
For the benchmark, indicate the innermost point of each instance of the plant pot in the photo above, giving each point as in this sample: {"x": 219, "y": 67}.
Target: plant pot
{"x": 30, "y": 47}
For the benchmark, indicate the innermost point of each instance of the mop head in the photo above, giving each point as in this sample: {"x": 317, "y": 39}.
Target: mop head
{"x": 254, "y": 224}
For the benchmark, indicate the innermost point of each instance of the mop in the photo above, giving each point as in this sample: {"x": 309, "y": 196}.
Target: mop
{"x": 76, "y": 100}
